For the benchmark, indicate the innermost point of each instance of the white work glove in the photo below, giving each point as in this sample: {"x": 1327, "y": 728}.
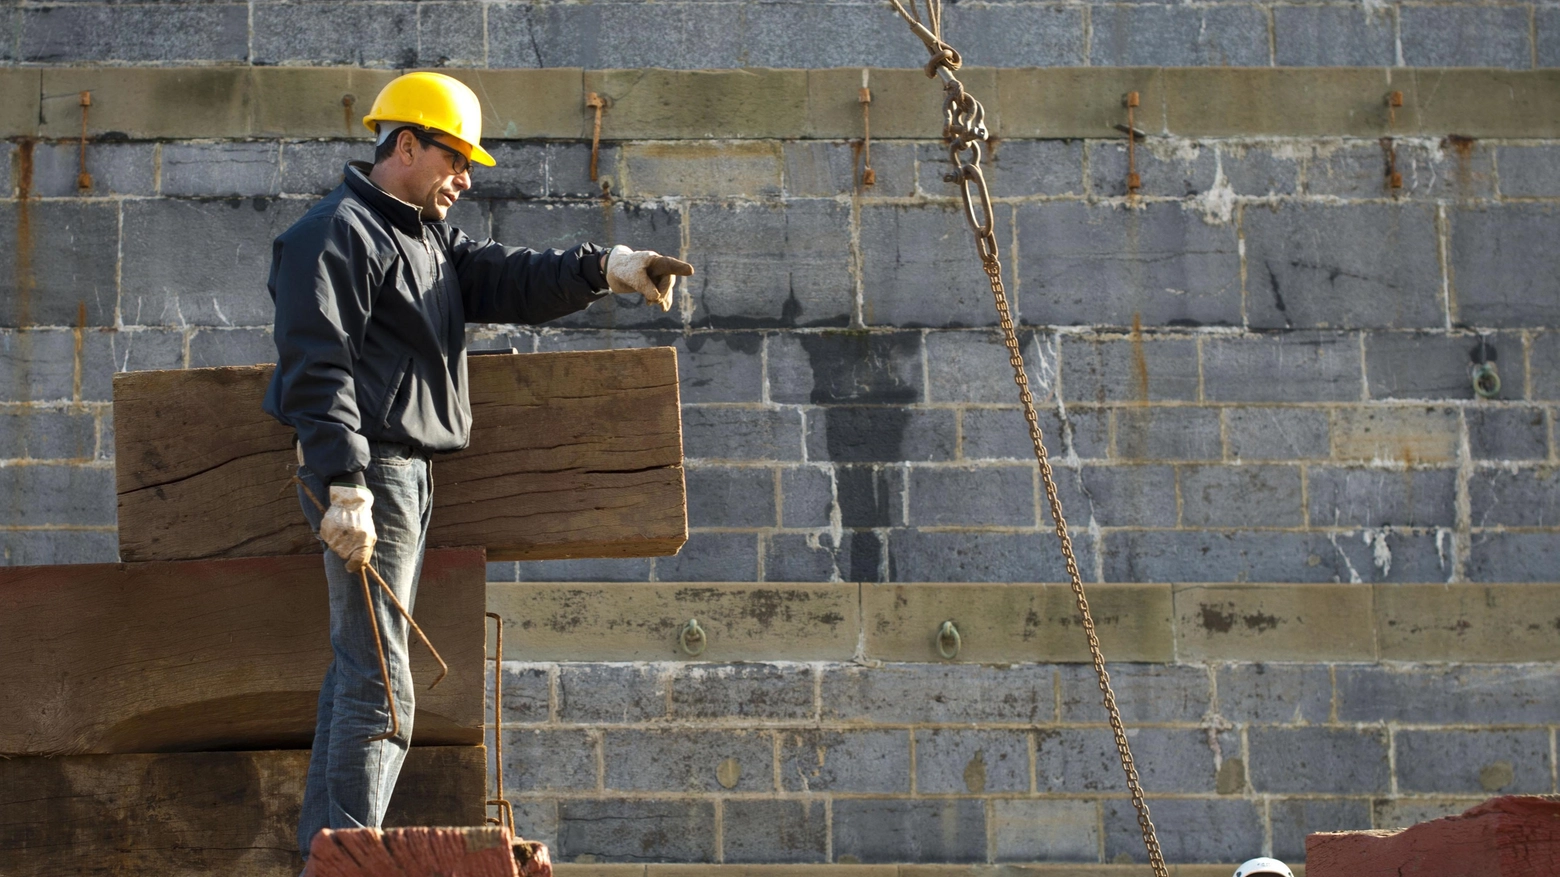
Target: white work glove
{"x": 348, "y": 526}
{"x": 646, "y": 272}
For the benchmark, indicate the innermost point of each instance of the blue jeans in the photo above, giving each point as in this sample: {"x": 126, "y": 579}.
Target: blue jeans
{"x": 350, "y": 779}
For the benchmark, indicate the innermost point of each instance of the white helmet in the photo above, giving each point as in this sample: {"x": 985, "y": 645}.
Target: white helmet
{"x": 1264, "y": 865}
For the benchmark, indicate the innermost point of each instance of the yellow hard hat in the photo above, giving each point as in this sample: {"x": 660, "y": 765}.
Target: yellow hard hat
{"x": 435, "y": 101}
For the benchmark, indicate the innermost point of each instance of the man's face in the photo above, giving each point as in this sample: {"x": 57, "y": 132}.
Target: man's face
{"x": 436, "y": 158}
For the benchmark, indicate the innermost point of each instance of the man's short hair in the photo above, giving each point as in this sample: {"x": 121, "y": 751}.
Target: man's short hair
{"x": 385, "y": 146}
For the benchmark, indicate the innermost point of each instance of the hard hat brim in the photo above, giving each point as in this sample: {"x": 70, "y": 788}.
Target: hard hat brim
{"x": 478, "y": 154}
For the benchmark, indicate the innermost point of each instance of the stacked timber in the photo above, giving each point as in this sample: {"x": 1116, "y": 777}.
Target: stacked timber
{"x": 158, "y": 712}
{"x": 1512, "y": 836}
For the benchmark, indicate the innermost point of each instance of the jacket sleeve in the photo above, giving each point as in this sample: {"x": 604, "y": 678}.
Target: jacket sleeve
{"x": 322, "y": 280}
{"x": 500, "y": 284}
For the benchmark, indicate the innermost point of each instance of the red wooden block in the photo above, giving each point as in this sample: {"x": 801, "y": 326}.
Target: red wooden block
{"x": 412, "y": 852}
{"x": 1514, "y": 836}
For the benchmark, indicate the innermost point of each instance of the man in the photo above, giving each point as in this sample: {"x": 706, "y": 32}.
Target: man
{"x": 373, "y": 289}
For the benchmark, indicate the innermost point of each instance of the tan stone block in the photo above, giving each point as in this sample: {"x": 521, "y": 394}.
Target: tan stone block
{"x": 905, "y": 104}
{"x": 19, "y": 92}
{"x": 147, "y": 102}
{"x": 1321, "y": 102}
{"x": 1015, "y": 623}
{"x": 525, "y": 104}
{"x": 1278, "y": 622}
{"x": 312, "y": 101}
{"x": 1469, "y": 622}
{"x": 1079, "y": 101}
{"x": 681, "y": 104}
{"x": 642, "y": 622}
{"x": 1395, "y": 434}
{"x": 722, "y": 168}
{"x": 575, "y": 869}
{"x": 1492, "y": 103}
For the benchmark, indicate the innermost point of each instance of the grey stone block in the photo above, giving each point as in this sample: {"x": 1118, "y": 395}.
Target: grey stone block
{"x": 825, "y": 169}
{"x": 1179, "y": 36}
{"x": 973, "y": 367}
{"x": 1294, "y": 818}
{"x": 42, "y": 547}
{"x": 335, "y": 33}
{"x": 540, "y": 819}
{"x": 712, "y": 557}
{"x": 919, "y": 267}
{"x": 1503, "y": 269}
{"x": 806, "y": 497}
{"x": 865, "y": 434}
{"x": 726, "y": 433}
{"x": 221, "y": 169}
{"x": 972, "y": 496}
{"x": 507, "y": 571}
{"x": 1250, "y": 556}
{"x": 1291, "y": 367}
{"x": 315, "y": 167}
{"x": 1514, "y": 497}
{"x": 612, "y": 693}
{"x": 135, "y": 33}
{"x": 1002, "y": 434}
{"x": 689, "y": 761}
{"x": 1252, "y": 170}
{"x": 1046, "y": 830}
{"x": 1117, "y": 496}
{"x": 1169, "y": 169}
{"x": 846, "y": 367}
{"x": 1020, "y": 35}
{"x": 711, "y": 366}
{"x": 594, "y": 569}
{"x": 1135, "y": 369}
{"x": 28, "y": 433}
{"x": 1507, "y": 433}
{"x": 1530, "y": 171}
{"x": 1144, "y": 693}
{"x": 217, "y": 347}
{"x": 971, "y": 762}
{"x": 568, "y": 169}
{"x": 1207, "y": 830}
{"x": 866, "y": 760}
{"x": 1268, "y": 433}
{"x": 771, "y": 265}
{"x": 451, "y": 35}
{"x": 1404, "y": 812}
{"x": 939, "y": 694}
{"x": 521, "y": 172}
{"x": 1454, "y": 694}
{"x": 1455, "y": 167}
{"x": 1544, "y": 365}
{"x": 612, "y": 36}
{"x": 902, "y": 830}
{"x": 552, "y": 761}
{"x": 1547, "y": 35}
{"x": 1324, "y": 760}
{"x": 1071, "y": 760}
{"x": 975, "y": 556}
{"x": 1436, "y": 366}
{"x": 871, "y": 495}
{"x": 797, "y": 557}
{"x": 729, "y": 497}
{"x": 167, "y": 282}
{"x": 526, "y": 694}
{"x": 1466, "y": 36}
{"x": 618, "y": 830}
{"x": 1168, "y": 434}
{"x": 99, "y": 362}
{"x": 1361, "y": 265}
{"x": 769, "y": 692}
{"x": 1474, "y": 762}
{"x": 52, "y": 493}
{"x": 60, "y": 258}
{"x": 780, "y": 832}
{"x": 1013, "y": 168}
{"x": 1274, "y": 693}
{"x": 1241, "y": 496}
{"x": 1322, "y": 36}
{"x": 839, "y": 36}
{"x": 1159, "y": 265}
{"x": 1381, "y": 498}
{"x": 116, "y": 169}
{"x": 147, "y": 349}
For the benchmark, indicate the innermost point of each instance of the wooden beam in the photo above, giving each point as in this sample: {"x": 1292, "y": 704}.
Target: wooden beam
{"x": 211, "y": 654}
{"x": 203, "y": 813}
{"x": 572, "y": 455}
{"x": 413, "y": 852}
{"x": 1512, "y": 836}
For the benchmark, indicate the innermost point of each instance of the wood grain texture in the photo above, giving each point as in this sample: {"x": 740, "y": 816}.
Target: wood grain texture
{"x": 571, "y": 455}
{"x": 187, "y": 814}
{"x": 412, "y": 852}
{"x": 212, "y": 654}
{"x": 1512, "y": 836}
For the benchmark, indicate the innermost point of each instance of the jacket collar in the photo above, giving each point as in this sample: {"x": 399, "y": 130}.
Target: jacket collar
{"x": 402, "y": 215}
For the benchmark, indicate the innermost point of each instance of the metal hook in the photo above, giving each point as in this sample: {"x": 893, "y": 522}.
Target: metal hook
{"x": 1486, "y": 380}
{"x": 949, "y": 634}
{"x": 692, "y": 638}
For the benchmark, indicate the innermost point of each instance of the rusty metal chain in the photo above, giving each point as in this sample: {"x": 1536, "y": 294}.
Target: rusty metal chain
{"x": 965, "y": 131}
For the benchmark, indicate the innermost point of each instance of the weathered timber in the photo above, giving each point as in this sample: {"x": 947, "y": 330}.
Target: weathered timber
{"x": 212, "y": 654}
{"x": 412, "y": 852}
{"x": 1513, "y": 836}
{"x": 572, "y": 455}
{"x": 201, "y": 813}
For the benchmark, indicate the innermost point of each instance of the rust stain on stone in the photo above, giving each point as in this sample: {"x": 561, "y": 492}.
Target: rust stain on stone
{"x": 80, "y": 335}
{"x": 25, "y": 281}
{"x": 1139, "y": 360}
{"x": 1462, "y": 146}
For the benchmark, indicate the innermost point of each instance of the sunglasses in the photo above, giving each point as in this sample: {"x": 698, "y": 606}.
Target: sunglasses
{"x": 458, "y": 163}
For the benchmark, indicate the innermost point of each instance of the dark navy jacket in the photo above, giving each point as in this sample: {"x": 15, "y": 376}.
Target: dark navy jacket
{"x": 371, "y": 307}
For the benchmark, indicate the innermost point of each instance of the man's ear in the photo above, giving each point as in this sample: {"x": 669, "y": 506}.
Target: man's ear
{"x": 404, "y": 143}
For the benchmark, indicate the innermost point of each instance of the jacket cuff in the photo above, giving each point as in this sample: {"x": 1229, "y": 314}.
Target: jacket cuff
{"x": 354, "y": 478}
{"x": 590, "y": 266}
